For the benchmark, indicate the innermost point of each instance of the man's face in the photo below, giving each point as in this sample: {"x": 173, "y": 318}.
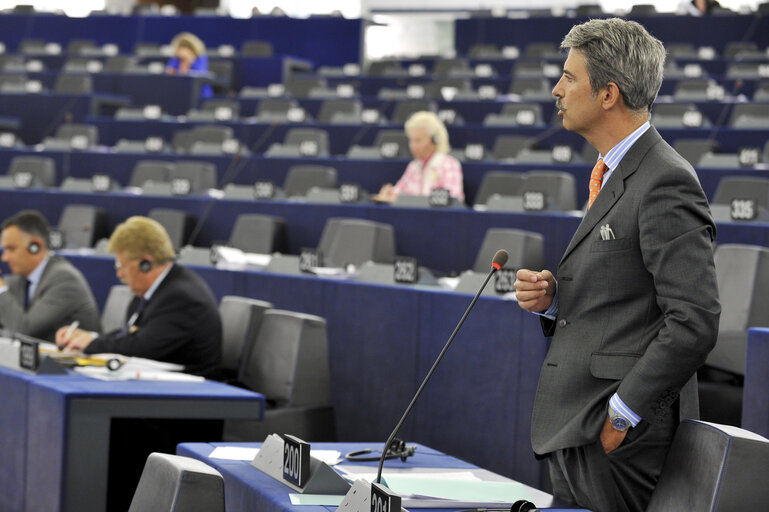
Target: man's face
{"x": 16, "y": 253}
{"x": 577, "y": 105}
{"x": 127, "y": 270}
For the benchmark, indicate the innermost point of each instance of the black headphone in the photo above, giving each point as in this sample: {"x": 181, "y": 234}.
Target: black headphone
{"x": 397, "y": 449}
{"x": 33, "y": 247}
{"x": 145, "y": 265}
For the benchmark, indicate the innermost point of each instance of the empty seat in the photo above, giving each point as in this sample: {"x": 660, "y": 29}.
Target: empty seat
{"x": 559, "y": 190}
{"x": 222, "y": 71}
{"x": 257, "y": 233}
{"x": 712, "y": 468}
{"x": 300, "y": 86}
{"x": 762, "y": 91}
{"x": 642, "y": 10}
{"x": 404, "y": 109}
{"x": 525, "y": 249}
{"x": 170, "y": 483}
{"x": 355, "y": 241}
{"x": 78, "y": 136}
{"x": 73, "y": 84}
{"x": 178, "y": 224}
{"x": 750, "y": 115}
{"x": 13, "y": 83}
{"x": 733, "y": 49}
{"x": 241, "y": 318}
{"x": 33, "y": 171}
{"x": 711, "y": 160}
{"x": 697, "y": 90}
{"x": 751, "y": 188}
{"x": 311, "y": 142}
{"x": 82, "y": 225}
{"x": 256, "y": 49}
{"x": 507, "y": 147}
{"x": 221, "y": 109}
{"x": 532, "y": 88}
{"x": 516, "y": 114}
{"x": 392, "y": 144}
{"x": 288, "y": 364}
{"x": 452, "y": 67}
{"x": 75, "y": 46}
{"x": 150, "y": 170}
{"x": 301, "y": 178}
{"x": 340, "y": 111}
{"x": 275, "y": 109}
{"x": 541, "y": 50}
{"x": 502, "y": 183}
{"x": 200, "y": 175}
{"x": 693, "y": 149}
{"x": 113, "y": 315}
{"x": 678, "y": 115}
{"x": 484, "y": 51}
{"x": 385, "y": 68}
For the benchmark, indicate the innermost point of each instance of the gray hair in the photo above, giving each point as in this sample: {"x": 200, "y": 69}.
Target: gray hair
{"x": 433, "y": 126}
{"x": 622, "y": 52}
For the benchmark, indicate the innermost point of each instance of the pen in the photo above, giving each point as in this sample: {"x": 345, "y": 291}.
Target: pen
{"x": 69, "y": 331}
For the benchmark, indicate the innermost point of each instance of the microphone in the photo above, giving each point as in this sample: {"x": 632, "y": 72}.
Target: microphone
{"x": 499, "y": 260}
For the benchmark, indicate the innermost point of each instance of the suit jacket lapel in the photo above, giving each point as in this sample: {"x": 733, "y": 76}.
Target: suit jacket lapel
{"x": 614, "y": 188}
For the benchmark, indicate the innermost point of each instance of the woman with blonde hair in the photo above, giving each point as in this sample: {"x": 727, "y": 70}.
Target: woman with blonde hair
{"x": 189, "y": 58}
{"x": 432, "y": 166}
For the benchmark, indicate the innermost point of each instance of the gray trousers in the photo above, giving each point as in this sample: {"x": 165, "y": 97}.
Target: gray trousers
{"x": 620, "y": 481}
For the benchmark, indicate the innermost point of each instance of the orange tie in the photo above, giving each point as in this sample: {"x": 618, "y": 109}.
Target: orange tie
{"x": 596, "y": 178}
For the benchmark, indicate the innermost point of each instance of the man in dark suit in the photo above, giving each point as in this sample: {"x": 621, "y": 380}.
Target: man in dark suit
{"x": 45, "y": 290}
{"x": 173, "y": 317}
{"x": 635, "y": 309}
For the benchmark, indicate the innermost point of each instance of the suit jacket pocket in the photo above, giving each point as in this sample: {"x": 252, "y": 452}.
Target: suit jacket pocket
{"x": 611, "y": 366}
{"x": 618, "y": 244}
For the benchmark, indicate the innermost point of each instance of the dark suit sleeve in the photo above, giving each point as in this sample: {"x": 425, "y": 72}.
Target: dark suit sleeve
{"x": 676, "y": 241}
{"x": 165, "y": 331}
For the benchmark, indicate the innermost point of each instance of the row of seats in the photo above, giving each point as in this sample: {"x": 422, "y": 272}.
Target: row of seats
{"x": 89, "y": 48}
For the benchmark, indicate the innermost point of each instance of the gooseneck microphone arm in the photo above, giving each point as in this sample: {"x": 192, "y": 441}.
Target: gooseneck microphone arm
{"x": 500, "y": 258}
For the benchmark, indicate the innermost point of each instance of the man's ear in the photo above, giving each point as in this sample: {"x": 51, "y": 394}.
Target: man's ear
{"x": 610, "y": 96}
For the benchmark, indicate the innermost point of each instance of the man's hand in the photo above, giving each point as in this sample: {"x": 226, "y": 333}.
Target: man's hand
{"x": 77, "y": 340}
{"x": 534, "y": 290}
{"x": 611, "y": 438}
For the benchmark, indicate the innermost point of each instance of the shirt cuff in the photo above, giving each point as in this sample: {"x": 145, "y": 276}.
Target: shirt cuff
{"x": 552, "y": 311}
{"x": 620, "y": 408}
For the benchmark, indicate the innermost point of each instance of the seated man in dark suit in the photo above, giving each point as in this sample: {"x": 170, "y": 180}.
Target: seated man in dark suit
{"x": 173, "y": 317}
{"x": 45, "y": 290}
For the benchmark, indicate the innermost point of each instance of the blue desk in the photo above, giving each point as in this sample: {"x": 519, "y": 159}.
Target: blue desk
{"x": 247, "y": 488}
{"x": 55, "y": 431}
{"x": 755, "y": 406}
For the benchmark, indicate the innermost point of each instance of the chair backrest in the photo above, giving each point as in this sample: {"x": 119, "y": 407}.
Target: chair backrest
{"x": 211, "y": 133}
{"x": 178, "y": 224}
{"x": 201, "y": 175}
{"x": 241, "y": 318}
{"x": 150, "y": 170}
{"x": 113, "y": 315}
{"x": 392, "y": 144}
{"x": 275, "y": 108}
{"x": 347, "y": 110}
{"x": 215, "y": 105}
{"x": 742, "y": 187}
{"x": 525, "y": 249}
{"x": 355, "y": 241}
{"x": 449, "y": 67}
{"x": 170, "y": 483}
{"x": 263, "y": 234}
{"x": 742, "y": 272}
{"x": 540, "y": 50}
{"x": 713, "y": 468}
{"x": 73, "y": 84}
{"x": 750, "y": 115}
{"x": 301, "y": 136}
{"x": 288, "y": 362}
{"x": 523, "y": 114}
{"x": 693, "y": 149}
{"x": 301, "y": 178}
{"x": 508, "y": 146}
{"x": 41, "y": 170}
{"x": 503, "y": 183}
{"x": 71, "y": 130}
{"x": 82, "y": 225}
{"x": 300, "y": 86}
{"x": 256, "y": 49}
{"x": 559, "y": 189}
{"x": 404, "y": 109}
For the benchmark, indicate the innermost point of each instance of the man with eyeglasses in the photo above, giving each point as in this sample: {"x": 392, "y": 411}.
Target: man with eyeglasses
{"x": 173, "y": 316}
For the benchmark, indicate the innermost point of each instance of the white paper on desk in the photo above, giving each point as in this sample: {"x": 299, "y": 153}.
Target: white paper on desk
{"x": 368, "y": 473}
{"x": 102, "y": 373}
{"x": 330, "y": 457}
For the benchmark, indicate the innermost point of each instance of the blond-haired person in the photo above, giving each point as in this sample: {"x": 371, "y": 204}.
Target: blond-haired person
{"x": 173, "y": 317}
{"x": 189, "y": 58}
{"x": 432, "y": 166}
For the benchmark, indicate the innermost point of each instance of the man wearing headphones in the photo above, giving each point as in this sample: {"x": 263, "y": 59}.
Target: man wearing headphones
{"x": 173, "y": 317}
{"x": 45, "y": 290}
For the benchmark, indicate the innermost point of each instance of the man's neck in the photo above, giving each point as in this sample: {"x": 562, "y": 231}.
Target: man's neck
{"x": 613, "y": 131}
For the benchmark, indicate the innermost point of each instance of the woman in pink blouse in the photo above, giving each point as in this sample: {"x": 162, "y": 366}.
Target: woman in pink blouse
{"x": 432, "y": 166}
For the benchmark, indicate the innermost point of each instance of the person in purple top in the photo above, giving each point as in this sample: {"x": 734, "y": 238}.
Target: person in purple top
{"x": 189, "y": 58}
